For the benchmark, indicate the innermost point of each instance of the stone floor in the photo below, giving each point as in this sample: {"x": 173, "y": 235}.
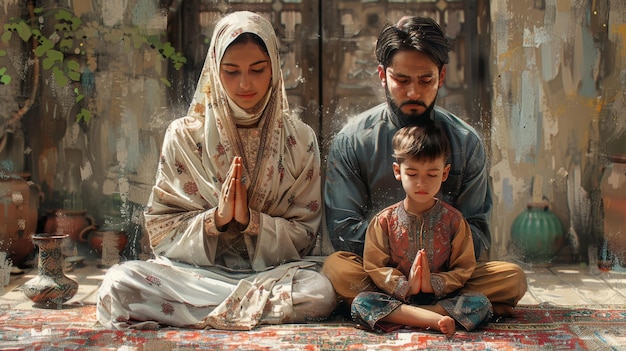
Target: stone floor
{"x": 554, "y": 284}
{"x": 88, "y": 274}
{"x": 575, "y": 285}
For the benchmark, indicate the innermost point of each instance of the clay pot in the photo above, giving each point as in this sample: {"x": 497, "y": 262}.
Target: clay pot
{"x": 75, "y": 223}
{"x": 96, "y": 239}
{"x": 19, "y": 206}
{"x": 50, "y": 288}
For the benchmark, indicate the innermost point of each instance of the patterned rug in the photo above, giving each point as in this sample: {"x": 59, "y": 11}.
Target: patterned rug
{"x": 537, "y": 327}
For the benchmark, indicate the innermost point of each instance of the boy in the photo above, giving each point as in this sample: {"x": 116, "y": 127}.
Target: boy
{"x": 419, "y": 252}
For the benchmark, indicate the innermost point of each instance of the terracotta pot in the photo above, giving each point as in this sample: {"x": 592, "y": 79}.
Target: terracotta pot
{"x": 96, "y": 239}
{"x": 19, "y": 207}
{"x": 75, "y": 223}
{"x": 50, "y": 288}
{"x": 613, "y": 190}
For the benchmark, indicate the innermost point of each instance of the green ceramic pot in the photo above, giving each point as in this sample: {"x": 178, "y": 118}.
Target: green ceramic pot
{"x": 537, "y": 233}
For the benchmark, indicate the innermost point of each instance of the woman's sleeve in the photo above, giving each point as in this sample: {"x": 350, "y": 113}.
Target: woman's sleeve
{"x": 176, "y": 213}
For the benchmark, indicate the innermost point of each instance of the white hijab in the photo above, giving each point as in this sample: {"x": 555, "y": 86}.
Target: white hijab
{"x": 222, "y": 115}
{"x": 283, "y": 182}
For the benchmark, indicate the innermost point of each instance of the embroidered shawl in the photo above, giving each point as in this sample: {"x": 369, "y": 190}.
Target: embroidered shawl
{"x": 283, "y": 181}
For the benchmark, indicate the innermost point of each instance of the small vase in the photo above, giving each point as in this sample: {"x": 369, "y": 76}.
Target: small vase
{"x": 537, "y": 233}
{"x": 51, "y": 287}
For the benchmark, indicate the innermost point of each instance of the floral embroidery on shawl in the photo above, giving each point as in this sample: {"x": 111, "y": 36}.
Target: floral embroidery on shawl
{"x": 152, "y": 280}
{"x": 167, "y": 308}
{"x": 191, "y": 188}
{"x": 198, "y": 108}
{"x": 180, "y": 168}
{"x": 221, "y": 150}
{"x": 281, "y": 169}
{"x": 313, "y": 206}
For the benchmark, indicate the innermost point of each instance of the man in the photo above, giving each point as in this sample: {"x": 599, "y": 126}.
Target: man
{"x": 412, "y": 56}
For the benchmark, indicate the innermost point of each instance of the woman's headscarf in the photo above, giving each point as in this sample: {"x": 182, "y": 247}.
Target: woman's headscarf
{"x": 283, "y": 182}
{"x": 212, "y": 103}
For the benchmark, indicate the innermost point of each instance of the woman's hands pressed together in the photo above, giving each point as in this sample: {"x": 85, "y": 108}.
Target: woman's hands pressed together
{"x": 233, "y": 202}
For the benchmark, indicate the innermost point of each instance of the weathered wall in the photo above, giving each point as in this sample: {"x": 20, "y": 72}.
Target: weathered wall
{"x": 548, "y": 94}
{"x": 104, "y": 165}
{"x": 559, "y": 76}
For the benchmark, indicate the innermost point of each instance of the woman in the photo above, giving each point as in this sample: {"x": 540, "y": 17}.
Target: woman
{"x": 236, "y": 204}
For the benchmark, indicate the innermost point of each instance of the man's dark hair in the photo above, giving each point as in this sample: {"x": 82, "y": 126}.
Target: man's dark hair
{"x": 413, "y": 33}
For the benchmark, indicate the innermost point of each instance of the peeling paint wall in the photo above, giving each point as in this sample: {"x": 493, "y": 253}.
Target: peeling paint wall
{"x": 558, "y": 71}
{"x": 105, "y": 165}
{"x": 558, "y": 95}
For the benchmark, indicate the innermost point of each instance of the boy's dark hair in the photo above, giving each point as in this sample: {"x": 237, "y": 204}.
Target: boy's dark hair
{"x": 423, "y": 142}
{"x": 413, "y": 33}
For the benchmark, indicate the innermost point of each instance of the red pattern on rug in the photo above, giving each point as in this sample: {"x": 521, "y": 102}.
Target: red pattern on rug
{"x": 533, "y": 328}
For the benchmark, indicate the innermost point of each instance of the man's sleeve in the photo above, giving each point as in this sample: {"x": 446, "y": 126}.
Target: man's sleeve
{"x": 345, "y": 196}
{"x": 474, "y": 199}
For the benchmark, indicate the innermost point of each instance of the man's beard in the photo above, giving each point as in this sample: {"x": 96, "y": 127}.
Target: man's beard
{"x": 412, "y": 118}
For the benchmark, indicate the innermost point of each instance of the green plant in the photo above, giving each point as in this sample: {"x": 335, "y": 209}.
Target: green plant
{"x": 69, "y": 50}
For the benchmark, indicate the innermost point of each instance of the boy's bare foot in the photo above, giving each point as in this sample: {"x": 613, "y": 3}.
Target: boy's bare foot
{"x": 447, "y": 326}
{"x": 502, "y": 310}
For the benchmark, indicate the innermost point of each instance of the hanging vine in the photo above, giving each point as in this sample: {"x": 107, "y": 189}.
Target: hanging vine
{"x": 68, "y": 52}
